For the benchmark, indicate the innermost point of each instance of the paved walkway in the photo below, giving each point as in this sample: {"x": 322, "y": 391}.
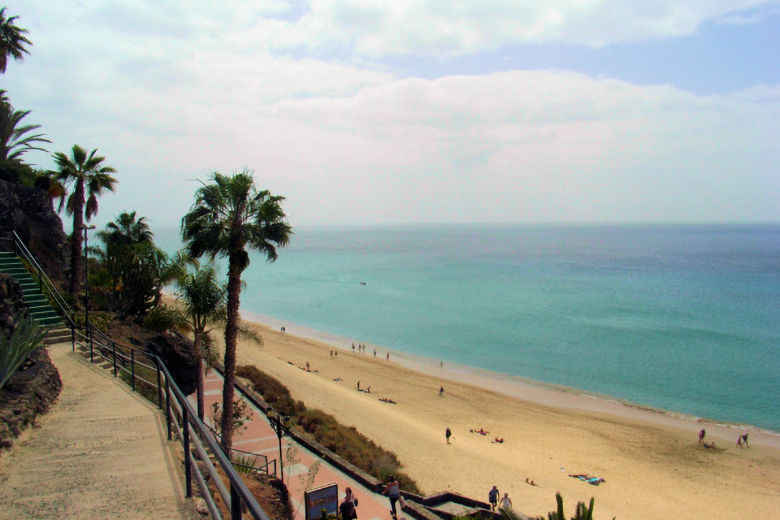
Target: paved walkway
{"x": 259, "y": 437}
{"x": 100, "y": 452}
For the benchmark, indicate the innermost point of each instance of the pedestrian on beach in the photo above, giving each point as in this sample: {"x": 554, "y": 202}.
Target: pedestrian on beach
{"x": 744, "y": 441}
{"x": 388, "y": 356}
{"x": 506, "y": 502}
{"x": 702, "y": 433}
{"x": 448, "y": 434}
{"x": 393, "y": 492}
{"x": 739, "y": 441}
{"x": 358, "y": 385}
{"x": 441, "y": 391}
{"x": 374, "y": 352}
{"x": 493, "y": 497}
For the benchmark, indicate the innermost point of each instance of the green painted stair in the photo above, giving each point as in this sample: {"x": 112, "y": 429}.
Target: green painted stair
{"x": 39, "y": 305}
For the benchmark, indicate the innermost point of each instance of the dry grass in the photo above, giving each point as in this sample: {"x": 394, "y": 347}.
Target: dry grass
{"x": 343, "y": 440}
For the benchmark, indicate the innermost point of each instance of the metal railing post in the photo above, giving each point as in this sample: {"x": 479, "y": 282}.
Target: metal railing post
{"x": 187, "y": 454}
{"x": 91, "y": 346}
{"x": 159, "y": 383}
{"x": 235, "y": 503}
{"x": 113, "y": 355}
{"x": 168, "y": 407}
{"x": 132, "y": 369}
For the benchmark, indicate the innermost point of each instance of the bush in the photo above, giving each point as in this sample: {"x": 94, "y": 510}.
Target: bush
{"x": 343, "y": 440}
{"x": 99, "y": 319}
{"x": 162, "y": 318}
{"x": 17, "y": 346}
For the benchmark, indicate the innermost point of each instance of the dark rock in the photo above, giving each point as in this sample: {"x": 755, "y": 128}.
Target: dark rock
{"x": 176, "y": 353}
{"x": 28, "y": 211}
{"x": 27, "y": 394}
{"x": 12, "y": 303}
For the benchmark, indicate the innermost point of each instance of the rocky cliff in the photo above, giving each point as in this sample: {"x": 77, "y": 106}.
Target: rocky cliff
{"x": 32, "y": 388}
{"x": 28, "y": 211}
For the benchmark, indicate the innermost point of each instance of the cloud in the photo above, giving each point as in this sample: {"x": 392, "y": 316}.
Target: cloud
{"x": 378, "y": 29}
{"x": 347, "y": 141}
{"x": 443, "y": 28}
{"x": 513, "y": 146}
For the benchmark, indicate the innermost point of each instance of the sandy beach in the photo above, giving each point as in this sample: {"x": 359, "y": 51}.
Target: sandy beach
{"x": 651, "y": 462}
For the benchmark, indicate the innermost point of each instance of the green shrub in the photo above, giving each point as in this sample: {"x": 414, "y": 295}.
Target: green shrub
{"x": 343, "y": 440}
{"x": 99, "y": 319}
{"x": 18, "y": 345}
{"x": 162, "y": 318}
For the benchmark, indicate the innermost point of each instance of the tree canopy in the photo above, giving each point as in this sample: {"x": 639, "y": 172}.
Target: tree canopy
{"x": 12, "y": 40}
{"x": 229, "y": 217}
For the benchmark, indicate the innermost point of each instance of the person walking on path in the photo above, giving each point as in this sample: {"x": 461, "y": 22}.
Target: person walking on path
{"x": 448, "y": 434}
{"x": 393, "y": 492}
{"x": 493, "y": 498}
{"x": 506, "y": 502}
{"x": 347, "y": 506}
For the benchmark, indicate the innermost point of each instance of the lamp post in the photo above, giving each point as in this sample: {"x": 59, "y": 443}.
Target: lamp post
{"x": 86, "y": 229}
{"x": 277, "y": 423}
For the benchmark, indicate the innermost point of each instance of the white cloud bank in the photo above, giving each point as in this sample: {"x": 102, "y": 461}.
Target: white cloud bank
{"x": 514, "y": 146}
{"x": 166, "y": 101}
{"x": 376, "y": 28}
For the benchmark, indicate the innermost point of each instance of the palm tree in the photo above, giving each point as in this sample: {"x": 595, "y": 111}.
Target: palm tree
{"x": 229, "y": 215}
{"x": 13, "y": 141}
{"x": 121, "y": 239}
{"x": 12, "y": 40}
{"x": 87, "y": 173}
{"x": 204, "y": 301}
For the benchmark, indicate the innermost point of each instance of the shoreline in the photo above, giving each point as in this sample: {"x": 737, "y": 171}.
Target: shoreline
{"x": 651, "y": 464}
{"x": 532, "y": 391}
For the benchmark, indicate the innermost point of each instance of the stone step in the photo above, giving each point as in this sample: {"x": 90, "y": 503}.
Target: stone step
{"x": 57, "y": 335}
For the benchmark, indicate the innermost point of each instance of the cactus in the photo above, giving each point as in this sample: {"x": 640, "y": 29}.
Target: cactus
{"x": 559, "y": 499}
{"x": 583, "y": 512}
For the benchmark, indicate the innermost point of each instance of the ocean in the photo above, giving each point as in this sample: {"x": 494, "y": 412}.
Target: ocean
{"x": 684, "y": 318}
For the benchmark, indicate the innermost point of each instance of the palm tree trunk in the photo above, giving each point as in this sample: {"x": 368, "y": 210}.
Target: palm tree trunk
{"x": 231, "y": 331}
{"x": 76, "y": 238}
{"x": 198, "y": 357}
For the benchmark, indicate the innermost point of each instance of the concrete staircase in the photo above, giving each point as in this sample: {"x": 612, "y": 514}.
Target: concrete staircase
{"x": 39, "y": 304}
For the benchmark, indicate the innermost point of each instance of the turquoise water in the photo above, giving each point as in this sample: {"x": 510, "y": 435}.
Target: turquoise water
{"x": 682, "y": 318}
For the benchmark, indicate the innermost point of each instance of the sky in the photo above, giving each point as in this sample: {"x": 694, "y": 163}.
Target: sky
{"x": 410, "y": 111}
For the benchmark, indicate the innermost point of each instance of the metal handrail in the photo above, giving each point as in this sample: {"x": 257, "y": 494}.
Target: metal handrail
{"x": 92, "y": 337}
{"x": 179, "y": 406}
{"x": 43, "y": 277}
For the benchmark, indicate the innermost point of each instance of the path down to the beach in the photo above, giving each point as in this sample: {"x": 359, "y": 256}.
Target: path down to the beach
{"x": 100, "y": 452}
{"x": 259, "y": 437}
